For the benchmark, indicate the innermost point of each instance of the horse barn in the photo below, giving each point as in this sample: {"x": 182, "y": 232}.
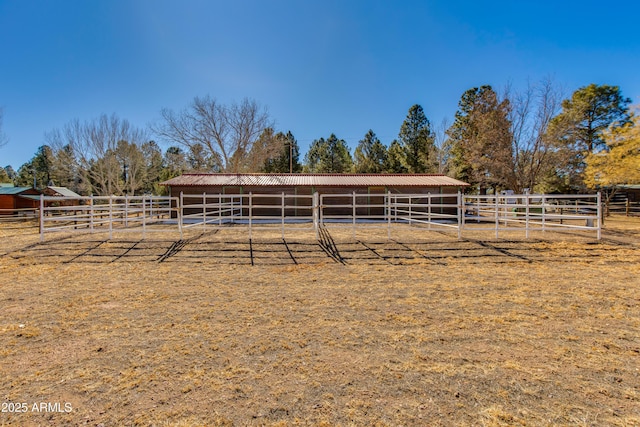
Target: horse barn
{"x": 16, "y": 200}
{"x": 299, "y": 195}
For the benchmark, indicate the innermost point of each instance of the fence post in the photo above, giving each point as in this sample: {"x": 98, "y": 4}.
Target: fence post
{"x": 144, "y": 216}
{"x": 429, "y": 198}
{"x": 599, "y": 213}
{"x": 250, "y": 214}
{"x": 41, "y": 219}
{"x": 628, "y": 207}
{"x": 110, "y": 217}
{"x": 460, "y": 214}
{"x": 395, "y": 209}
{"x": 204, "y": 211}
{"x": 126, "y": 210}
{"x": 314, "y": 212}
{"x": 179, "y": 214}
{"x": 353, "y": 215}
{"x": 526, "y": 214}
{"x": 282, "y": 214}
{"x": 388, "y": 215}
{"x": 497, "y": 216}
{"x": 544, "y": 208}
{"x": 91, "y": 213}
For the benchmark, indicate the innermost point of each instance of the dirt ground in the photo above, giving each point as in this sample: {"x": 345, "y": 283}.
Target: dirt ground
{"x": 420, "y": 329}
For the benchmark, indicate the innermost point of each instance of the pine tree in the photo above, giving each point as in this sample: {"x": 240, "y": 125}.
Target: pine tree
{"x": 417, "y": 141}
{"x": 370, "y": 155}
{"x": 288, "y": 158}
{"x": 479, "y": 143}
{"x": 328, "y": 156}
{"x": 578, "y": 130}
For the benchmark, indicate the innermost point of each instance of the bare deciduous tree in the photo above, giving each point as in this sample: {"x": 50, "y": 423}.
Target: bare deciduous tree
{"x": 442, "y": 152}
{"x": 227, "y": 131}
{"x": 530, "y": 115}
{"x": 95, "y": 144}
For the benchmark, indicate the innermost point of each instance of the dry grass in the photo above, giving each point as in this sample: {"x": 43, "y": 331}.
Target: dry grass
{"x": 420, "y": 330}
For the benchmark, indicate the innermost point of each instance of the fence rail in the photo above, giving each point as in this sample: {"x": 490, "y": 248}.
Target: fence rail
{"x": 18, "y": 214}
{"x": 626, "y": 207}
{"x": 103, "y": 213}
{"x": 449, "y": 212}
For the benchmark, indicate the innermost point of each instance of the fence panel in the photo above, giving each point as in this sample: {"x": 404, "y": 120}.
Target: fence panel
{"x": 103, "y": 213}
{"x": 454, "y": 212}
{"x": 533, "y": 212}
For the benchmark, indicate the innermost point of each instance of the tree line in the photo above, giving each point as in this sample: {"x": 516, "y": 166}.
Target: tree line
{"x": 528, "y": 140}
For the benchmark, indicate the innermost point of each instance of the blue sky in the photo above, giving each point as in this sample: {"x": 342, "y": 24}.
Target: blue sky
{"x": 320, "y": 67}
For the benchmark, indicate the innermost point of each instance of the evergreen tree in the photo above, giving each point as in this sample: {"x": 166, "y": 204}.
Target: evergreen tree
{"x": 37, "y": 171}
{"x": 396, "y": 159}
{"x": 578, "y": 130}
{"x": 4, "y": 176}
{"x": 201, "y": 160}
{"x": 479, "y": 143}
{"x": 175, "y": 163}
{"x": 10, "y": 172}
{"x": 370, "y": 155}
{"x": 66, "y": 171}
{"x": 153, "y": 164}
{"x": 328, "y": 156}
{"x": 417, "y": 140}
{"x": 288, "y": 158}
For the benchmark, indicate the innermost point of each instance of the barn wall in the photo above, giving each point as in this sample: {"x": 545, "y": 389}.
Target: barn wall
{"x": 365, "y": 196}
{"x": 24, "y": 203}
{"x": 7, "y": 201}
{"x": 14, "y": 201}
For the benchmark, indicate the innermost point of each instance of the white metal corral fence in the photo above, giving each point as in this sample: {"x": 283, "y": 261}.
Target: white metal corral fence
{"x": 534, "y": 212}
{"x": 453, "y": 212}
{"x": 257, "y": 211}
{"x": 104, "y": 213}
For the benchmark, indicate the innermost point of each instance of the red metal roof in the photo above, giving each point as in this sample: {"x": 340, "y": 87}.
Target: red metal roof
{"x": 325, "y": 180}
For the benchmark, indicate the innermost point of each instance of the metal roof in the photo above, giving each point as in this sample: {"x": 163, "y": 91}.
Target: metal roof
{"x": 13, "y": 190}
{"x": 64, "y": 191}
{"x": 308, "y": 180}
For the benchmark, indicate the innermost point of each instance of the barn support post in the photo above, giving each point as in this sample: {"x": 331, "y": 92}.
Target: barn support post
{"x": 599, "y": 215}
{"x": 110, "y": 217}
{"x": 353, "y": 215}
{"x": 41, "y": 217}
